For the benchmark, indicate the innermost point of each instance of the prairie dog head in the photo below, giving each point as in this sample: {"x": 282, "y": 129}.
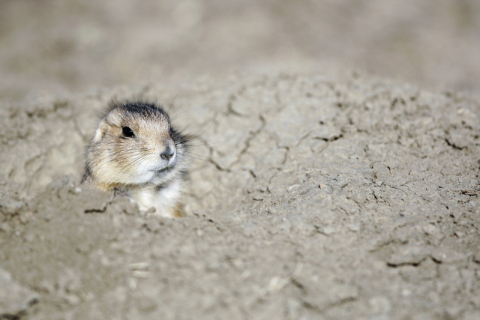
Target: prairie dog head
{"x": 134, "y": 144}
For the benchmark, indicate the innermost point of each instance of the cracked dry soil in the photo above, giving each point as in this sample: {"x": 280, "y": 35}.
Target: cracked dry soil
{"x": 310, "y": 197}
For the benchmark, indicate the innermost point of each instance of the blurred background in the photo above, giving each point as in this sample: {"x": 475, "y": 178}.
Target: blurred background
{"x": 68, "y": 46}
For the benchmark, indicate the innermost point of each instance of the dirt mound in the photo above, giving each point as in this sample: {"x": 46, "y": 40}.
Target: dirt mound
{"x": 310, "y": 196}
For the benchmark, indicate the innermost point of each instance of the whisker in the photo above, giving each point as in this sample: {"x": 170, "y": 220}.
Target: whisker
{"x": 173, "y": 100}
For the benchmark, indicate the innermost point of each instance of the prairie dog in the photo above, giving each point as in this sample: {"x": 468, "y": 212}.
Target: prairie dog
{"x": 136, "y": 152}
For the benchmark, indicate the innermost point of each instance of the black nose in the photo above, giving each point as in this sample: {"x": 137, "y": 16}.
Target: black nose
{"x": 168, "y": 153}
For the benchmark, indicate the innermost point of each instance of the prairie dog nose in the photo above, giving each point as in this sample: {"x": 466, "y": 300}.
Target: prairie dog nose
{"x": 168, "y": 153}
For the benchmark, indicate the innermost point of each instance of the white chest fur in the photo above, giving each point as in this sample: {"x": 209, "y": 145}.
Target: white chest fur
{"x": 164, "y": 199}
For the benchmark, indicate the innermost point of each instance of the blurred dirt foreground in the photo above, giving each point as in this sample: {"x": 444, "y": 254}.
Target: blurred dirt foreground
{"x": 325, "y": 194}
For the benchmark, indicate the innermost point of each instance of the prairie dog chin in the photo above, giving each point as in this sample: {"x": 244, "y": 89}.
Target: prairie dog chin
{"x": 136, "y": 152}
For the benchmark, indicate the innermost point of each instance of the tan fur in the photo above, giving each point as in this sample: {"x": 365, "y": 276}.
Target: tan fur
{"x": 148, "y": 167}
{"x": 178, "y": 212}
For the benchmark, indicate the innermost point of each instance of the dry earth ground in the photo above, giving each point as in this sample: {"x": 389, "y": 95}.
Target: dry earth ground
{"x": 392, "y": 233}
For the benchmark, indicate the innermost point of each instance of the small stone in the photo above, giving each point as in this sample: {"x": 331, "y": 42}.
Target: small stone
{"x": 328, "y": 230}
{"x": 272, "y": 211}
{"x": 460, "y": 234}
{"x": 327, "y": 133}
{"x": 354, "y": 227}
{"x": 430, "y": 229}
{"x": 406, "y": 293}
{"x": 293, "y": 187}
{"x": 143, "y": 265}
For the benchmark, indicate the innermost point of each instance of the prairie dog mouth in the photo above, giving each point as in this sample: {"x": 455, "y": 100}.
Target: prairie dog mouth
{"x": 162, "y": 169}
{"x": 166, "y": 168}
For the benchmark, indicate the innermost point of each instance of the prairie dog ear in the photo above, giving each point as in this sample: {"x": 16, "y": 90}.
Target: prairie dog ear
{"x": 101, "y": 131}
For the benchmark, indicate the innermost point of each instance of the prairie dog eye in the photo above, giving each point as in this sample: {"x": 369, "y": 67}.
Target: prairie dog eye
{"x": 127, "y": 132}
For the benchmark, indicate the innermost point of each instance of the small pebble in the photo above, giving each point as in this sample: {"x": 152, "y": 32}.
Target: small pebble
{"x": 272, "y": 211}
{"x": 354, "y": 227}
{"x": 293, "y": 187}
{"x": 406, "y": 293}
{"x": 460, "y": 234}
{"x": 139, "y": 265}
{"x": 328, "y": 230}
{"x": 430, "y": 229}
